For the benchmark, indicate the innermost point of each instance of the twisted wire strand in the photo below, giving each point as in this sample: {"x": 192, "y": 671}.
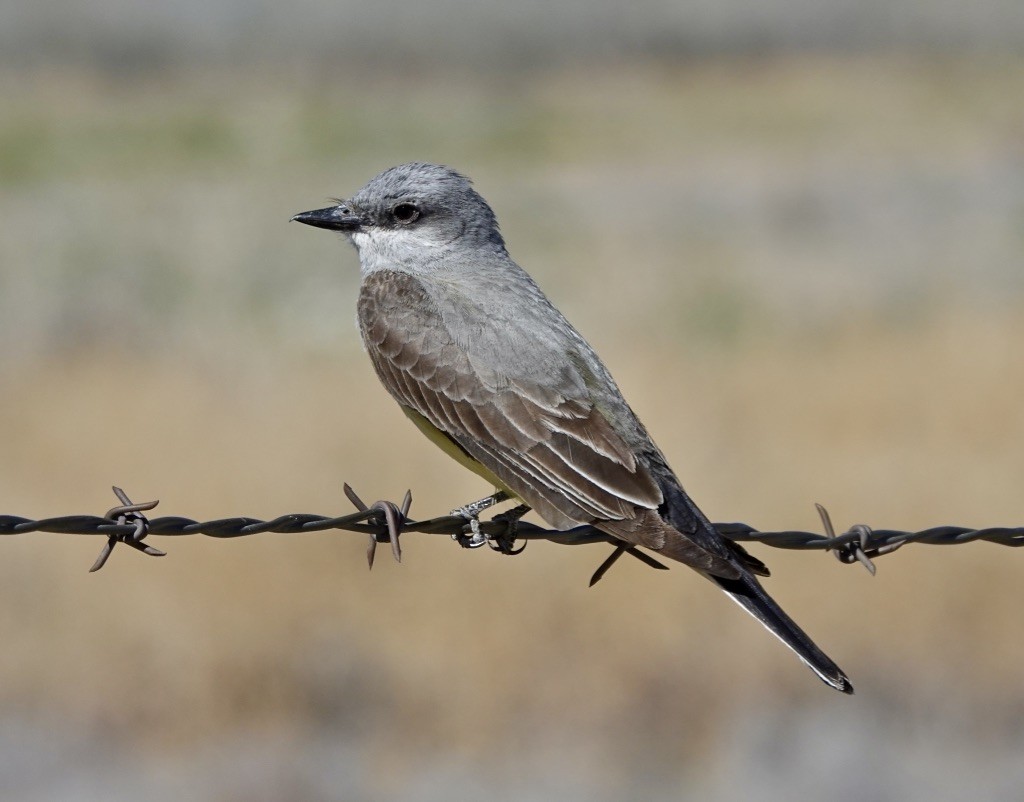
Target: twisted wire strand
{"x": 385, "y": 521}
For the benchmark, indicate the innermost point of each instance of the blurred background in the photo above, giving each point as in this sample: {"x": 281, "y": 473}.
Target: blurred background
{"x": 794, "y": 230}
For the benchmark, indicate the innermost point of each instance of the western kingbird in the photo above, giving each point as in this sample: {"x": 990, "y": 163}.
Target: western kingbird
{"x": 482, "y": 362}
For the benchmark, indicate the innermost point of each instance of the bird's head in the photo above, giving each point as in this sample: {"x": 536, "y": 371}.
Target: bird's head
{"x": 411, "y": 213}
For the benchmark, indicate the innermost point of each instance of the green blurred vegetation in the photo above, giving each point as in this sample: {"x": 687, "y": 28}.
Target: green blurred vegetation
{"x": 720, "y": 196}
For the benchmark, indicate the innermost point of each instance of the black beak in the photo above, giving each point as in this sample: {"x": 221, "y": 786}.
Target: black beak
{"x": 335, "y": 218}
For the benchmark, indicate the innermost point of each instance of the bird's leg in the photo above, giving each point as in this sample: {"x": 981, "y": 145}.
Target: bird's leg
{"x": 507, "y": 539}
{"x": 471, "y": 512}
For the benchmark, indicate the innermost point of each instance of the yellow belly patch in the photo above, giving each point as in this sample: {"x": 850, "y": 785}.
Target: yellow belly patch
{"x": 454, "y": 450}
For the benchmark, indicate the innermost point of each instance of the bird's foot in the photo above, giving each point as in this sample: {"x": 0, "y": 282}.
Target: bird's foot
{"x": 505, "y": 541}
{"x": 471, "y": 512}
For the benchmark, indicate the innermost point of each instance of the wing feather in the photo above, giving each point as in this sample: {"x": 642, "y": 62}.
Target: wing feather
{"x": 547, "y": 440}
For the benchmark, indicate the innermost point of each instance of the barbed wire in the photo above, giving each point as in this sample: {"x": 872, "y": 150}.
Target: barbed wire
{"x": 385, "y": 522}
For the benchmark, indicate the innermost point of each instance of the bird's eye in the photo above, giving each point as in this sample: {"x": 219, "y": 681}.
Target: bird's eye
{"x": 405, "y": 212}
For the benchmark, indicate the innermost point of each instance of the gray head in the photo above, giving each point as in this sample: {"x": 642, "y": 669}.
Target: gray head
{"x": 412, "y": 213}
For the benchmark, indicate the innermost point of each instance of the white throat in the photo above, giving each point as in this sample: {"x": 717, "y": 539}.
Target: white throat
{"x": 396, "y": 249}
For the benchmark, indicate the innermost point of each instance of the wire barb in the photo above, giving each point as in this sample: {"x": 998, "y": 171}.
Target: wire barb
{"x": 620, "y": 549}
{"x": 385, "y": 522}
{"x": 127, "y": 514}
{"x": 393, "y": 517}
{"x": 854, "y": 542}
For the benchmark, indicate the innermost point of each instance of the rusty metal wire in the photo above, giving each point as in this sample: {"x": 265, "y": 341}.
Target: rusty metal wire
{"x": 385, "y": 522}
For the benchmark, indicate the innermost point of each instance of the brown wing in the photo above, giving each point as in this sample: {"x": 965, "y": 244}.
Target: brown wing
{"x": 545, "y": 440}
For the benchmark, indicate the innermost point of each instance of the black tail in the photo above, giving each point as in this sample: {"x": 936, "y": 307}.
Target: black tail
{"x": 748, "y": 593}
{"x": 694, "y": 531}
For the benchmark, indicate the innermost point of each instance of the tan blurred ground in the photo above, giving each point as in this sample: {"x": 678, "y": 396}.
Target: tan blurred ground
{"x": 770, "y": 366}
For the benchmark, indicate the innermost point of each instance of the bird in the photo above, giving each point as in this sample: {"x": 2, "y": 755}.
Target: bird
{"x": 482, "y": 362}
